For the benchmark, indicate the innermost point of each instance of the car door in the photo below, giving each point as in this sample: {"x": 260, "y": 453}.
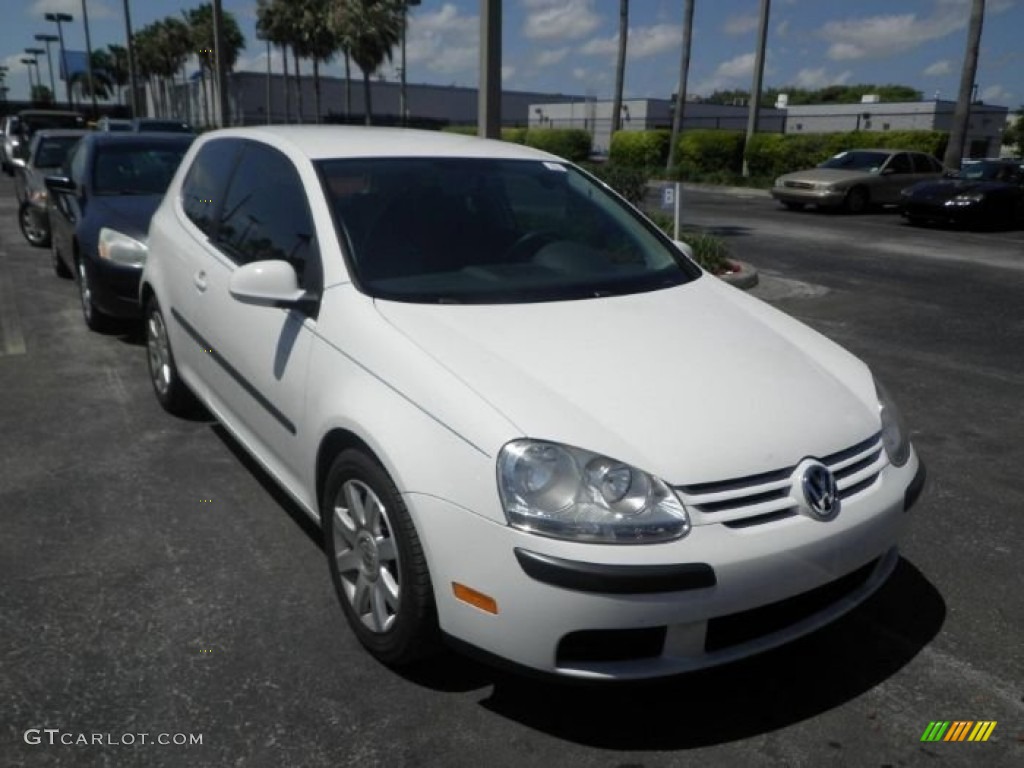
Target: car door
{"x": 65, "y": 208}
{"x": 184, "y": 240}
{"x": 258, "y": 356}
{"x": 897, "y": 174}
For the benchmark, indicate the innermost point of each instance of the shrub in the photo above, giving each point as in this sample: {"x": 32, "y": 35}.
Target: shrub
{"x": 465, "y": 130}
{"x": 639, "y": 149}
{"x": 631, "y": 183}
{"x": 573, "y": 144}
{"x": 710, "y": 150}
{"x": 514, "y": 135}
{"x": 710, "y": 251}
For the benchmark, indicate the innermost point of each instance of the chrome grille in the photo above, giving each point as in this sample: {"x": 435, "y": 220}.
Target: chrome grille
{"x": 770, "y": 496}
{"x": 799, "y": 184}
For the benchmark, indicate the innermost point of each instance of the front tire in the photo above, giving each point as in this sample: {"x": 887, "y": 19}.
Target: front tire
{"x": 94, "y": 318}
{"x": 171, "y": 392}
{"x": 376, "y": 561}
{"x": 36, "y": 235}
{"x": 857, "y": 200}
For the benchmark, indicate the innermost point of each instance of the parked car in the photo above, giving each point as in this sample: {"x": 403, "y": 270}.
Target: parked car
{"x": 522, "y": 417}
{"x": 152, "y": 124}
{"x": 46, "y": 154}
{"x": 19, "y": 129}
{"x": 986, "y": 193}
{"x": 113, "y": 124}
{"x": 99, "y": 208}
{"x": 856, "y": 179}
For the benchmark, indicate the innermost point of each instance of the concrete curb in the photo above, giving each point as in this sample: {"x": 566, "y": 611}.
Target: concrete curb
{"x": 744, "y": 276}
{"x": 714, "y": 188}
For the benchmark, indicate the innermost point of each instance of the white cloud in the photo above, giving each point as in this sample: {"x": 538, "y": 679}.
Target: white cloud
{"x": 942, "y": 67}
{"x": 818, "y": 78}
{"x": 98, "y": 9}
{"x": 782, "y": 28}
{"x": 507, "y": 72}
{"x": 580, "y": 73}
{"x": 889, "y": 34}
{"x": 996, "y": 94}
{"x": 740, "y": 25}
{"x": 641, "y": 42}
{"x": 547, "y": 58}
{"x": 560, "y": 19}
{"x": 738, "y": 66}
{"x": 444, "y": 41}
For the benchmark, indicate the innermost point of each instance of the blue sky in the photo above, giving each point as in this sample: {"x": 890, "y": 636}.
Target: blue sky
{"x": 568, "y": 46}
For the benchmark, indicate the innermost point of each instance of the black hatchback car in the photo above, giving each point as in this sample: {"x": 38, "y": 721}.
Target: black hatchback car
{"x": 100, "y": 206}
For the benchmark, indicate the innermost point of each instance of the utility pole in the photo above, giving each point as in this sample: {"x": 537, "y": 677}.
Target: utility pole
{"x": 31, "y": 81}
{"x": 755, "y": 89}
{"x": 59, "y": 19}
{"x": 489, "y": 90}
{"x": 620, "y": 68}
{"x": 35, "y": 53}
{"x": 218, "y": 63}
{"x": 684, "y": 72}
{"x": 962, "y": 114}
{"x": 131, "y": 60}
{"x": 88, "y": 59}
{"x": 403, "y": 105}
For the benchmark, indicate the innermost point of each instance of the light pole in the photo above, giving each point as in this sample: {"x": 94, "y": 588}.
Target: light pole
{"x": 131, "y": 60}
{"x": 31, "y": 82}
{"x": 59, "y": 19}
{"x": 88, "y": 59}
{"x": 49, "y": 61}
{"x": 489, "y": 89}
{"x": 403, "y": 107}
{"x": 35, "y": 53}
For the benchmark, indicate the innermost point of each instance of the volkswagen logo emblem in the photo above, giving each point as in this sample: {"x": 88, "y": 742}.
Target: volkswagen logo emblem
{"x": 820, "y": 491}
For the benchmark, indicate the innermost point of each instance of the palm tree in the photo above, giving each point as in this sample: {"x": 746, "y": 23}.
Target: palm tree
{"x": 620, "y": 65}
{"x": 315, "y": 39}
{"x": 272, "y": 21}
{"x": 368, "y": 30}
{"x": 117, "y": 68}
{"x": 961, "y": 116}
{"x": 200, "y": 22}
{"x": 684, "y": 73}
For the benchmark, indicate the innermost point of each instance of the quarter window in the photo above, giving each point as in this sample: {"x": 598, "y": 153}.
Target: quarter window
{"x": 901, "y": 164}
{"x": 265, "y": 215}
{"x": 205, "y": 182}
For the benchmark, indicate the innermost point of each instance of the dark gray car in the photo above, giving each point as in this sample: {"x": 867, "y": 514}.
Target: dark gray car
{"x": 46, "y": 154}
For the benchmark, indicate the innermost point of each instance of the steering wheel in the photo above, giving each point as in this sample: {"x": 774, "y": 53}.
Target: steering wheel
{"x": 527, "y": 245}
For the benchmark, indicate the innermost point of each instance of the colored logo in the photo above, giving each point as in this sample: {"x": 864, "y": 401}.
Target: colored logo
{"x": 958, "y": 730}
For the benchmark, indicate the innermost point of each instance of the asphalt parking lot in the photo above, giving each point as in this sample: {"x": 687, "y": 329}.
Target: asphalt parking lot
{"x": 153, "y": 581}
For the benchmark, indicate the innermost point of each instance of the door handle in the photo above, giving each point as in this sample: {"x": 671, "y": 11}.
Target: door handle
{"x": 199, "y": 281}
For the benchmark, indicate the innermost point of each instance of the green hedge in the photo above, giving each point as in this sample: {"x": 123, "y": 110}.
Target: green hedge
{"x": 704, "y": 151}
{"x": 573, "y": 144}
{"x": 640, "y": 149}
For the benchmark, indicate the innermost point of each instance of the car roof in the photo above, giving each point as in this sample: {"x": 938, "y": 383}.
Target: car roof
{"x": 49, "y": 113}
{"x": 321, "y": 142}
{"x": 103, "y": 138}
{"x": 58, "y": 133}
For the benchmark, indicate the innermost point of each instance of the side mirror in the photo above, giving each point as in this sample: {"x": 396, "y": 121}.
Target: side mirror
{"x": 271, "y": 283}
{"x": 18, "y": 162}
{"x": 60, "y": 184}
{"x": 686, "y": 249}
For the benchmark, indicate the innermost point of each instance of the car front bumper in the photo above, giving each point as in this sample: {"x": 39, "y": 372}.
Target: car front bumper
{"x": 927, "y": 211}
{"x": 825, "y": 198}
{"x": 115, "y": 288}
{"x": 621, "y": 612}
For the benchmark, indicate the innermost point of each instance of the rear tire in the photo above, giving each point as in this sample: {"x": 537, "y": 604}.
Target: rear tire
{"x": 376, "y": 562}
{"x": 857, "y": 200}
{"x": 36, "y": 235}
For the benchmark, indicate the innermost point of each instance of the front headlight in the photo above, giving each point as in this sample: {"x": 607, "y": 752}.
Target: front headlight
{"x": 37, "y": 196}
{"x": 569, "y": 493}
{"x": 119, "y": 248}
{"x": 894, "y": 431}
{"x": 966, "y": 199}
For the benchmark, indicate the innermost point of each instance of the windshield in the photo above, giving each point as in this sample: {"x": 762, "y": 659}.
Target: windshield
{"x": 990, "y": 172}
{"x": 53, "y": 150}
{"x": 33, "y": 123}
{"x": 162, "y": 126}
{"x": 492, "y": 231}
{"x": 136, "y": 169}
{"x": 857, "y": 160}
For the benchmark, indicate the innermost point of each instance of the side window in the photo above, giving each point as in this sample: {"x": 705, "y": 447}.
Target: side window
{"x": 265, "y": 215}
{"x": 204, "y": 185}
{"x": 901, "y": 163}
{"x": 76, "y": 164}
{"x": 923, "y": 163}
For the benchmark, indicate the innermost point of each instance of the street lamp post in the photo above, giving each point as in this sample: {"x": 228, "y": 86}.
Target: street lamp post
{"x": 59, "y": 19}
{"x": 49, "y": 61}
{"x": 403, "y": 107}
{"x": 131, "y": 61}
{"x": 88, "y": 59}
{"x": 35, "y": 53}
{"x": 31, "y": 81}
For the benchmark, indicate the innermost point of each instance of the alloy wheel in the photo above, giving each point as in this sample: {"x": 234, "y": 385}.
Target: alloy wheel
{"x": 159, "y": 353}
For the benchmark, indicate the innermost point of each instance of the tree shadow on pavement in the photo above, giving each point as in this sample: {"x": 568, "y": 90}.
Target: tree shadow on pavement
{"x": 773, "y": 690}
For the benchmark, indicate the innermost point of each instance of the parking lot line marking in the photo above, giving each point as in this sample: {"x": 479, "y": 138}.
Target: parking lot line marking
{"x": 10, "y": 323}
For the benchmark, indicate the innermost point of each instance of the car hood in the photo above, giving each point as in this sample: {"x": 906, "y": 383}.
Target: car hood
{"x": 695, "y": 383}
{"x": 129, "y": 214}
{"x": 947, "y": 188}
{"x": 830, "y": 175}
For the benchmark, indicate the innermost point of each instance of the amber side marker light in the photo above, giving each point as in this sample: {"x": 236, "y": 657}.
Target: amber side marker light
{"x": 474, "y": 598}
